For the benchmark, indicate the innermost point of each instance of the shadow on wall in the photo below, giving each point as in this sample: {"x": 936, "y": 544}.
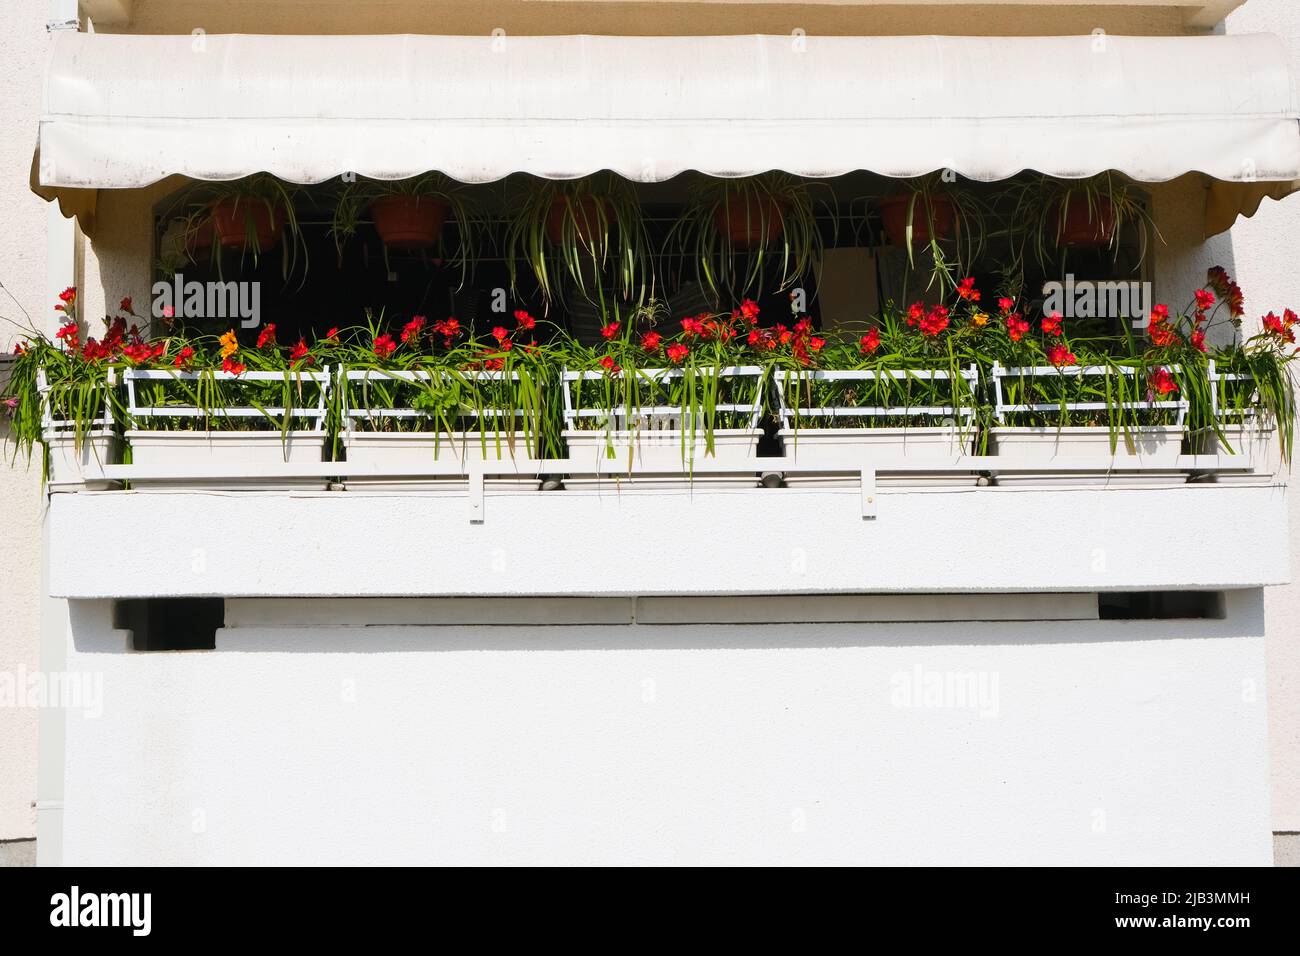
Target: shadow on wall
{"x": 410, "y": 625}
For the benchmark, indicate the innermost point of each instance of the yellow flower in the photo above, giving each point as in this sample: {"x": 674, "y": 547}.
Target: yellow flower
{"x": 229, "y": 344}
{"x": 980, "y": 319}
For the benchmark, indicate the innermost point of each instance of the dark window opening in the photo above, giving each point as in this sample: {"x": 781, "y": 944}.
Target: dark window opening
{"x": 1160, "y": 605}
{"x": 171, "y": 624}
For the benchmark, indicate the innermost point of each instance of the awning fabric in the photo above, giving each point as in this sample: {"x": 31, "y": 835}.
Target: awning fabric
{"x": 125, "y": 111}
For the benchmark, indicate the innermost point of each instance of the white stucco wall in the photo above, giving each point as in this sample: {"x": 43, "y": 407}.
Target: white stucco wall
{"x": 1090, "y": 743}
{"x": 1266, "y": 257}
{"x": 23, "y": 274}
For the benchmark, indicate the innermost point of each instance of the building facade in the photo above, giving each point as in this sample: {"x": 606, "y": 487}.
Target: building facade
{"x": 658, "y": 676}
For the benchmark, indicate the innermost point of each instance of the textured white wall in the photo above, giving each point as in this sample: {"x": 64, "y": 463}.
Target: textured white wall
{"x": 22, "y": 272}
{"x": 1089, "y": 743}
{"x": 1266, "y": 255}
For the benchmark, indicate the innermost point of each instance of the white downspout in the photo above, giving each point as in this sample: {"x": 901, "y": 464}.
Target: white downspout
{"x": 61, "y": 272}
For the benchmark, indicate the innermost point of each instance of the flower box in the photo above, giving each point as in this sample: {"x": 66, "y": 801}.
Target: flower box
{"x": 637, "y": 434}
{"x": 75, "y": 454}
{"x": 1140, "y": 443}
{"x": 833, "y": 418}
{"x": 1246, "y": 433}
{"x": 246, "y": 422}
{"x": 400, "y": 423}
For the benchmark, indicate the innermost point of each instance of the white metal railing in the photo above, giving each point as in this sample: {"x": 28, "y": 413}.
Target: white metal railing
{"x": 1002, "y": 408}
{"x": 315, "y": 414}
{"x": 62, "y": 426}
{"x": 1216, "y": 400}
{"x": 574, "y": 412}
{"x": 353, "y": 415}
{"x": 970, "y": 375}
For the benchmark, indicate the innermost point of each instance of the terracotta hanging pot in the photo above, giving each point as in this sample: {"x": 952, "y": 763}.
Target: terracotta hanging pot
{"x": 199, "y": 239}
{"x": 586, "y": 213}
{"x": 409, "y": 222}
{"x": 1081, "y": 224}
{"x": 231, "y": 219}
{"x": 751, "y": 223}
{"x": 893, "y": 216}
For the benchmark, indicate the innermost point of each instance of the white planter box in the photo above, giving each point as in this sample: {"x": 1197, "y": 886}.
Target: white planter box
{"x": 1251, "y": 445}
{"x": 808, "y": 445}
{"x": 73, "y": 465}
{"x": 657, "y": 452}
{"x": 249, "y": 451}
{"x": 659, "y": 458}
{"x": 208, "y": 445}
{"x": 921, "y": 446}
{"x": 1148, "y": 454}
{"x": 402, "y": 455}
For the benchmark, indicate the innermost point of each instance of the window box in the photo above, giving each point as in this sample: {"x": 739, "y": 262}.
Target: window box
{"x": 75, "y": 454}
{"x": 628, "y": 425}
{"x": 401, "y": 422}
{"x": 1246, "y": 431}
{"x": 1140, "y": 441}
{"x": 841, "y": 416}
{"x": 247, "y": 421}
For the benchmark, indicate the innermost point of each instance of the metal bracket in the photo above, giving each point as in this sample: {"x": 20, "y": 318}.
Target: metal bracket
{"x": 476, "y": 497}
{"x": 868, "y": 494}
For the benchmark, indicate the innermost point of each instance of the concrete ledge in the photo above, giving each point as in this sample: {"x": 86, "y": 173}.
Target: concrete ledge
{"x": 689, "y": 542}
{"x": 17, "y": 852}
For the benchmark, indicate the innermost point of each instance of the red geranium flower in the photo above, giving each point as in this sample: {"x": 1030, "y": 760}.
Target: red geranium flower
{"x": 966, "y": 289}
{"x": 677, "y": 353}
{"x": 1016, "y": 326}
{"x": 609, "y": 331}
{"x": 1161, "y": 382}
{"x": 1052, "y": 323}
{"x": 651, "y": 341}
{"x": 1059, "y": 355}
{"x": 934, "y": 322}
{"x": 524, "y": 320}
{"x": 868, "y": 344}
{"x": 385, "y": 346}
{"x": 749, "y": 310}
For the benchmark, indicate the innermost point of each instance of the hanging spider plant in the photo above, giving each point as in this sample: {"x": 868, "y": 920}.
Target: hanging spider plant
{"x": 409, "y": 214}
{"x": 587, "y": 231}
{"x": 933, "y": 214}
{"x": 252, "y": 215}
{"x": 1051, "y": 215}
{"x": 749, "y": 234}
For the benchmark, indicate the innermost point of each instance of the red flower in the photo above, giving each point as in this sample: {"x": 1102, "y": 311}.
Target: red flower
{"x": 66, "y": 299}
{"x": 499, "y": 333}
{"x": 1159, "y": 313}
{"x": 749, "y": 311}
{"x": 868, "y": 344}
{"x": 411, "y": 331}
{"x": 69, "y": 333}
{"x": 1198, "y": 340}
{"x": 1280, "y": 328}
{"x": 449, "y": 329}
{"x": 966, "y": 289}
{"x": 1161, "y": 334}
{"x": 816, "y": 343}
{"x": 1161, "y": 382}
{"x": 266, "y": 336}
{"x": 1218, "y": 280}
{"x": 125, "y": 306}
{"x": 524, "y": 320}
{"x": 677, "y": 353}
{"x": 934, "y": 322}
{"x": 183, "y": 357}
{"x": 1052, "y": 324}
{"x": 232, "y": 366}
{"x": 609, "y": 331}
{"x": 693, "y": 326}
{"x": 1204, "y": 300}
{"x": 1016, "y": 326}
{"x": 650, "y": 341}
{"x": 1059, "y": 355}
{"x": 1006, "y": 305}
{"x": 299, "y": 353}
{"x": 385, "y": 346}
{"x": 915, "y": 313}
{"x": 609, "y": 365}
{"x": 333, "y": 333}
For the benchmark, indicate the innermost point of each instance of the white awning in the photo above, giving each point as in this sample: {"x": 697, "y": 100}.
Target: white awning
{"x": 125, "y": 110}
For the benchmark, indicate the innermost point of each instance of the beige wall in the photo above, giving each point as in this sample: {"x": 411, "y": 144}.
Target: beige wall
{"x": 22, "y": 271}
